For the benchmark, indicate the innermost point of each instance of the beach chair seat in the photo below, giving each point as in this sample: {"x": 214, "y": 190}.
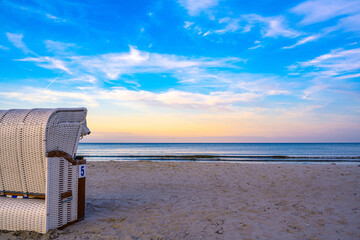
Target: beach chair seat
{"x": 42, "y": 182}
{"x": 20, "y": 213}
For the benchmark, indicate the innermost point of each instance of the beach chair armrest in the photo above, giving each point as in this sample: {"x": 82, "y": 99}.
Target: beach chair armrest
{"x": 62, "y": 154}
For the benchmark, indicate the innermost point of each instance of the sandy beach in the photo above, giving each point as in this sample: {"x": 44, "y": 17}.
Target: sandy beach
{"x": 193, "y": 200}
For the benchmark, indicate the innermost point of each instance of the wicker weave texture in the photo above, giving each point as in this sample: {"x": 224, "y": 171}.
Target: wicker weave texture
{"x": 25, "y": 138}
{"x": 22, "y": 214}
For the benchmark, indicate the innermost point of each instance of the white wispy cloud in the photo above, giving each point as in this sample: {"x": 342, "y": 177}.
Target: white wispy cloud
{"x": 257, "y": 44}
{"x": 336, "y": 62}
{"x": 257, "y": 84}
{"x": 330, "y": 72}
{"x": 232, "y": 25}
{"x": 311, "y": 92}
{"x": 16, "y": 40}
{"x": 303, "y": 41}
{"x": 194, "y": 7}
{"x": 350, "y": 23}
{"x": 34, "y": 10}
{"x": 37, "y": 95}
{"x": 3, "y": 47}
{"x": 255, "y": 47}
{"x": 272, "y": 26}
{"x": 176, "y": 98}
{"x": 54, "y": 18}
{"x": 57, "y": 46}
{"x": 356, "y": 75}
{"x": 315, "y": 11}
{"x": 113, "y": 65}
{"x": 187, "y": 24}
{"x": 219, "y": 100}
{"x": 265, "y": 86}
{"x": 202, "y": 85}
{"x": 48, "y": 62}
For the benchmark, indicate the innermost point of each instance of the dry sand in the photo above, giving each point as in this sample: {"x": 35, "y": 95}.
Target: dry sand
{"x": 192, "y": 200}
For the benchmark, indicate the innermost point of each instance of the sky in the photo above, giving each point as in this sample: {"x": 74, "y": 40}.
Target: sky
{"x": 188, "y": 70}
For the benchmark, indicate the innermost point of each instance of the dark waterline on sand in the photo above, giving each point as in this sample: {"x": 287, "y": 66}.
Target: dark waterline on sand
{"x": 232, "y": 152}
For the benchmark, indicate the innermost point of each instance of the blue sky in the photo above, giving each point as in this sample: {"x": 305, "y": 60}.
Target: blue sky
{"x": 188, "y": 71}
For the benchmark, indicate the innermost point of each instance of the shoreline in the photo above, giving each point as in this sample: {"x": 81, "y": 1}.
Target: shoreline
{"x": 200, "y": 156}
{"x": 215, "y": 158}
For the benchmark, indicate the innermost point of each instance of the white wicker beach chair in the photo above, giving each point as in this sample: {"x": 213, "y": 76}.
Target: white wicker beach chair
{"x": 42, "y": 184}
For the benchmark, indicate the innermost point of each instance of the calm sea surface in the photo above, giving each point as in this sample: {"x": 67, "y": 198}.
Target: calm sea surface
{"x": 246, "y": 152}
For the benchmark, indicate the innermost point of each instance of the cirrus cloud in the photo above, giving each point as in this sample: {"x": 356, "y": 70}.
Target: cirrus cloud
{"x": 16, "y": 40}
{"x": 195, "y": 7}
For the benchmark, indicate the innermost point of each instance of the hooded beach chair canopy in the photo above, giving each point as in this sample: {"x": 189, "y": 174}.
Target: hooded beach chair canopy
{"x": 39, "y": 172}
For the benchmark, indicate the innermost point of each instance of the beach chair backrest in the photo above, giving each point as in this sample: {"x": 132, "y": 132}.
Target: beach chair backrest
{"x": 26, "y": 136}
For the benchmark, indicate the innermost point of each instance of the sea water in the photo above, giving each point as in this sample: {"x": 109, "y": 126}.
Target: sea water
{"x": 245, "y": 152}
